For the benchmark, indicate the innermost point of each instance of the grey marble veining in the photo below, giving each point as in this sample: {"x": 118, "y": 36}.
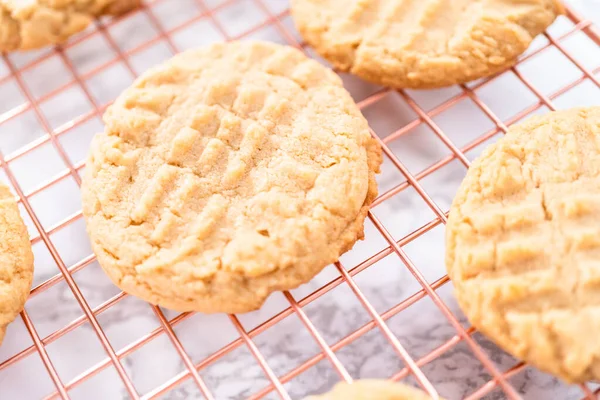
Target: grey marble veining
{"x": 420, "y": 328}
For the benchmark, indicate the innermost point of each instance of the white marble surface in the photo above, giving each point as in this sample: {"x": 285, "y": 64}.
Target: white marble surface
{"x": 420, "y": 328}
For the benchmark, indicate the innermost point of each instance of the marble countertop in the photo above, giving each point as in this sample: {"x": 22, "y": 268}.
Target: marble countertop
{"x": 286, "y": 345}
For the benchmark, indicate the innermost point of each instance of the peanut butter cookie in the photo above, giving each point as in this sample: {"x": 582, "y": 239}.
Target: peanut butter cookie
{"x": 523, "y": 243}
{"x": 31, "y": 24}
{"x": 16, "y": 260}
{"x": 422, "y": 43}
{"x": 227, "y": 173}
{"x": 372, "y": 389}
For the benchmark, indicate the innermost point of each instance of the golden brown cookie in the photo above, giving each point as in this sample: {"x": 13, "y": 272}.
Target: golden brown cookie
{"x": 372, "y": 389}
{"x": 31, "y": 24}
{"x": 523, "y": 243}
{"x": 16, "y": 260}
{"x": 422, "y": 43}
{"x": 227, "y": 173}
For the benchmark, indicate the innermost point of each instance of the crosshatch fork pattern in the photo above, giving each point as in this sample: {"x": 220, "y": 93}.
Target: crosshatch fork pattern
{"x": 20, "y": 75}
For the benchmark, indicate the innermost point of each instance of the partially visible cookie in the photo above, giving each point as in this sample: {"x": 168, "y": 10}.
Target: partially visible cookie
{"x": 227, "y": 173}
{"x": 424, "y": 43}
{"x": 523, "y": 243}
{"x": 372, "y": 389}
{"x": 16, "y": 260}
{"x": 31, "y": 24}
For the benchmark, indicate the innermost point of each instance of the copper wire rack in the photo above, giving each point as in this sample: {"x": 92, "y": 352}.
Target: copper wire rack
{"x": 51, "y": 102}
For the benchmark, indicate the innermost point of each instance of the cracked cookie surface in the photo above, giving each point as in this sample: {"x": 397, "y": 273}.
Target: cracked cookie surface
{"x": 16, "y": 260}
{"x": 227, "y": 173}
{"x": 31, "y": 24}
{"x": 422, "y": 43}
{"x": 523, "y": 243}
{"x": 367, "y": 389}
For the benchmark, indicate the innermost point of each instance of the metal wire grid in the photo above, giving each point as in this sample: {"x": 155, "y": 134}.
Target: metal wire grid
{"x": 378, "y": 321}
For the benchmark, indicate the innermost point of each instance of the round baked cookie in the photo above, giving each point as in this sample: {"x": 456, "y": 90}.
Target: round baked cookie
{"x": 422, "y": 43}
{"x": 31, "y": 24}
{"x": 372, "y": 389}
{"x": 16, "y": 260}
{"x": 523, "y": 243}
{"x": 227, "y": 173}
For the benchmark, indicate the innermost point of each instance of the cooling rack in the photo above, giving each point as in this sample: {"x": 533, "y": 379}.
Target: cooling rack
{"x": 384, "y": 310}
